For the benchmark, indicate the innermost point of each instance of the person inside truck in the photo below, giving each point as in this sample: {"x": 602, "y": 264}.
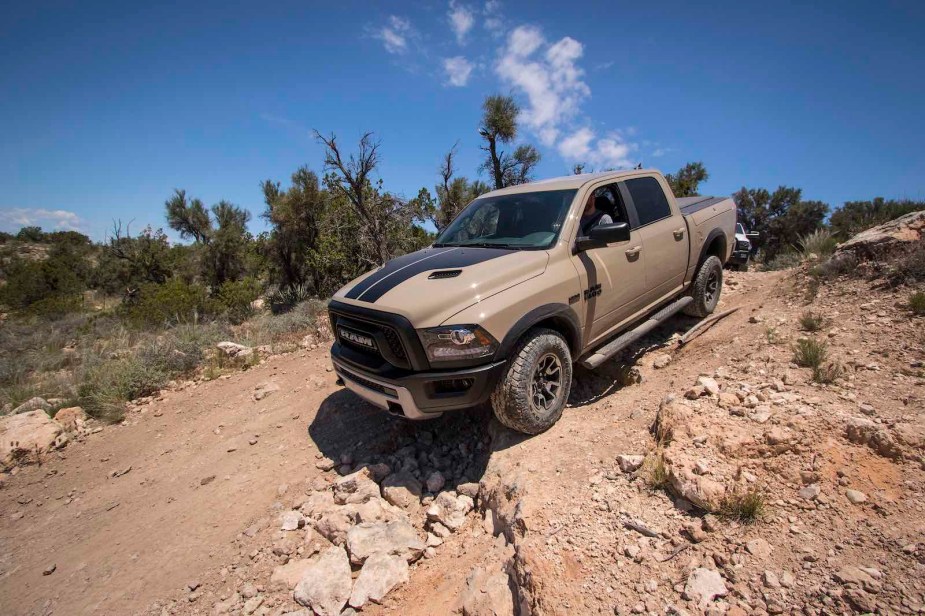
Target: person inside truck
{"x": 595, "y": 212}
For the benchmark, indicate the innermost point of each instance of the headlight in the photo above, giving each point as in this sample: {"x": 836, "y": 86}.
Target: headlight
{"x": 743, "y": 245}
{"x": 456, "y": 342}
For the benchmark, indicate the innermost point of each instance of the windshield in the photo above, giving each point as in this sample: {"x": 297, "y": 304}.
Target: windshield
{"x": 522, "y": 220}
{"x": 740, "y": 229}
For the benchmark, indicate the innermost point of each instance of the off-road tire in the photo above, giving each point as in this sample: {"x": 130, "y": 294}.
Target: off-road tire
{"x": 708, "y": 283}
{"x": 511, "y": 399}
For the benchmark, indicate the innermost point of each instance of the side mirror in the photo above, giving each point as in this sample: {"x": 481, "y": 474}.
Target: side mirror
{"x": 602, "y": 235}
{"x": 753, "y": 235}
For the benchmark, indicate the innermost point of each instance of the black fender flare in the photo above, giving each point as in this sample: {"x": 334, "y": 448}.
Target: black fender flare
{"x": 563, "y": 315}
{"x": 715, "y": 233}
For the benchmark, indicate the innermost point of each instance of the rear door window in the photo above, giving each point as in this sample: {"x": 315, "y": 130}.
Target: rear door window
{"x": 649, "y": 199}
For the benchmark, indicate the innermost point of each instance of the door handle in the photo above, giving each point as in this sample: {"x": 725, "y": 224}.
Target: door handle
{"x": 679, "y": 233}
{"x": 632, "y": 252}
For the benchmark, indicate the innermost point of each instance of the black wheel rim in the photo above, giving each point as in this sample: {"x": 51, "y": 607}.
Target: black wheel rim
{"x": 546, "y": 386}
{"x": 712, "y": 287}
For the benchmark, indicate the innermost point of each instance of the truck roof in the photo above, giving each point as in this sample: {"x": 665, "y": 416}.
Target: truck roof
{"x": 566, "y": 182}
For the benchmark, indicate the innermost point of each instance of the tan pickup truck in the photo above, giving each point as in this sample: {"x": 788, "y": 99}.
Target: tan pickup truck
{"x": 524, "y": 282}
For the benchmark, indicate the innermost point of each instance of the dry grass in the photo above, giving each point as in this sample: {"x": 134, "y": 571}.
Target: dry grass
{"x": 819, "y": 243}
{"x": 811, "y": 321}
{"x": 655, "y": 471}
{"x": 746, "y": 507}
{"x": 773, "y": 335}
{"x": 829, "y": 373}
{"x": 98, "y": 362}
{"x": 917, "y": 303}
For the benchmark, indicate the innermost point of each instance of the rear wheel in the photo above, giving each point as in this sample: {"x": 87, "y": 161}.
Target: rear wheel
{"x": 707, "y": 286}
{"x": 532, "y": 393}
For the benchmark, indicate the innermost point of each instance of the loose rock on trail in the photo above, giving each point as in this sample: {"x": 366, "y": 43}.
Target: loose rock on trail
{"x": 632, "y": 503}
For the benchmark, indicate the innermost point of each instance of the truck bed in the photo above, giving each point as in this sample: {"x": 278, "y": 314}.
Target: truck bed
{"x": 689, "y": 205}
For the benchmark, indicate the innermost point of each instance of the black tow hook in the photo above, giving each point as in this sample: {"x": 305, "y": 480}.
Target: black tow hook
{"x": 339, "y": 381}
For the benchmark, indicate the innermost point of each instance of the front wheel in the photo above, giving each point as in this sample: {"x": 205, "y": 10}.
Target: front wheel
{"x": 533, "y": 391}
{"x": 707, "y": 285}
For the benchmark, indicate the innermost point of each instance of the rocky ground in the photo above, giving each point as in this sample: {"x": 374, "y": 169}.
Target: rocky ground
{"x": 273, "y": 491}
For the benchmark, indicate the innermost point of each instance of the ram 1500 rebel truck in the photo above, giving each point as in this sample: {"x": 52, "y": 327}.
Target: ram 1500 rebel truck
{"x": 519, "y": 286}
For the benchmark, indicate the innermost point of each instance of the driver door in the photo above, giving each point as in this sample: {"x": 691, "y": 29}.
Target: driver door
{"x": 613, "y": 277}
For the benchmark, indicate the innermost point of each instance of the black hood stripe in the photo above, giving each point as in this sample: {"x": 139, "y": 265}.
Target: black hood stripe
{"x": 402, "y": 268}
{"x": 390, "y": 267}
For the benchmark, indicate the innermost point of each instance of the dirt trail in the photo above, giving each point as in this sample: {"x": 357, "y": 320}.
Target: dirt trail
{"x": 207, "y": 462}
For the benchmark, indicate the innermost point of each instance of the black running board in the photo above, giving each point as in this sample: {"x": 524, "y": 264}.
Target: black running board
{"x": 624, "y": 340}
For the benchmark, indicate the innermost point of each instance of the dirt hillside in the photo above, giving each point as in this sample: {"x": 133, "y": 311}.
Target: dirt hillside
{"x": 217, "y": 497}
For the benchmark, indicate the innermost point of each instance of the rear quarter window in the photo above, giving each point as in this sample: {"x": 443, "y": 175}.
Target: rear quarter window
{"x": 649, "y": 200}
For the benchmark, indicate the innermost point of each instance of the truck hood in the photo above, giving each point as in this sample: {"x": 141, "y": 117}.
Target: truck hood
{"x": 431, "y": 285}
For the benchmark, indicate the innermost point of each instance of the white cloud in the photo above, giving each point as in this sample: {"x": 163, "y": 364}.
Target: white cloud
{"x": 394, "y": 35}
{"x": 609, "y": 152}
{"x": 461, "y": 20}
{"x": 577, "y": 146}
{"x": 551, "y": 79}
{"x": 58, "y": 220}
{"x": 492, "y": 13}
{"x": 458, "y": 70}
{"x": 612, "y": 151}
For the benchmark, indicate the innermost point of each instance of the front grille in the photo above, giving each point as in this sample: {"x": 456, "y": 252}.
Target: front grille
{"x": 389, "y": 344}
{"x": 391, "y": 336}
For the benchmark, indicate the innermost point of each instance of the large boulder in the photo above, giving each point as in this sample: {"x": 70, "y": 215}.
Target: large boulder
{"x": 235, "y": 350}
{"x": 32, "y": 404}
{"x": 398, "y": 538}
{"x": 893, "y": 234}
{"x": 33, "y": 432}
{"x": 73, "y": 419}
{"x": 326, "y": 584}
{"x": 380, "y": 574}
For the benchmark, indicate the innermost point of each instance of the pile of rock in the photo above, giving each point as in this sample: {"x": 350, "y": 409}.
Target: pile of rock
{"x": 362, "y": 531}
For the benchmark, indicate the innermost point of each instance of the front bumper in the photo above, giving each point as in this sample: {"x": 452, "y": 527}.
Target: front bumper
{"x": 419, "y": 395}
{"x": 739, "y": 257}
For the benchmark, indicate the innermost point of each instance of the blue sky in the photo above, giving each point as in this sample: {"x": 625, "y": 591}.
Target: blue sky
{"x": 107, "y": 106}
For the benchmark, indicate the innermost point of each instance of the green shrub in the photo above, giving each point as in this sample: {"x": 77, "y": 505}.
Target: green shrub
{"x": 56, "y": 306}
{"x": 236, "y": 297}
{"x": 106, "y": 387}
{"x": 773, "y": 335}
{"x": 784, "y": 260}
{"x": 917, "y": 303}
{"x": 284, "y": 299}
{"x": 812, "y": 322}
{"x": 288, "y": 327}
{"x": 819, "y": 243}
{"x": 810, "y": 352}
{"x": 170, "y": 303}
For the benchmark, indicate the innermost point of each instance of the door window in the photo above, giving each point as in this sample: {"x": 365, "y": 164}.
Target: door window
{"x": 648, "y": 199}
